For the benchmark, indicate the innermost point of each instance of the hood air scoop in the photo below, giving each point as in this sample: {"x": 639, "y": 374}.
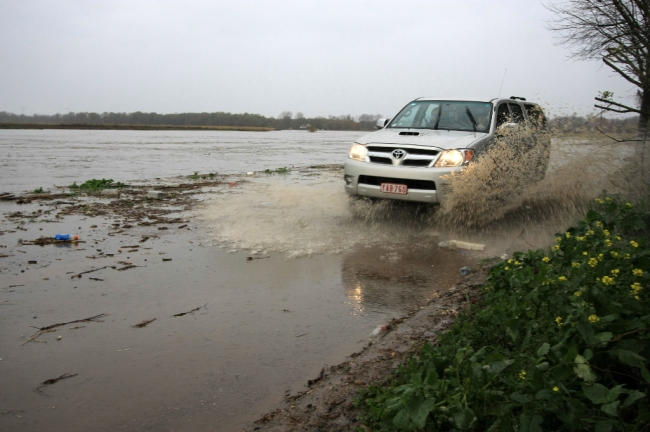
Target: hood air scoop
{"x": 410, "y": 133}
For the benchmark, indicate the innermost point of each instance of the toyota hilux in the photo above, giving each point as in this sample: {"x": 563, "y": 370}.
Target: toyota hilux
{"x": 412, "y": 155}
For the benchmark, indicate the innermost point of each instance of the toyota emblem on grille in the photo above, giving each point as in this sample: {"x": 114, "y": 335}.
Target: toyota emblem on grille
{"x": 398, "y": 154}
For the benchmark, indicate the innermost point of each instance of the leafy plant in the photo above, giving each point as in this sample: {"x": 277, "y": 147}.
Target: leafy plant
{"x": 561, "y": 341}
{"x": 97, "y": 185}
{"x": 39, "y": 191}
{"x": 283, "y": 170}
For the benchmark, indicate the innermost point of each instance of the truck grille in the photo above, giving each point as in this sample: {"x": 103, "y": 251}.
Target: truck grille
{"x": 411, "y": 184}
{"x": 414, "y": 157}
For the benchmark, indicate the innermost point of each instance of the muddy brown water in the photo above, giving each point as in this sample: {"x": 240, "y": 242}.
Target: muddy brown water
{"x": 268, "y": 326}
{"x": 321, "y": 281}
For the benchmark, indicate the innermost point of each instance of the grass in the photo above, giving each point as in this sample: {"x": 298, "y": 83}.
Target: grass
{"x": 39, "y": 191}
{"x": 559, "y": 342}
{"x": 94, "y": 185}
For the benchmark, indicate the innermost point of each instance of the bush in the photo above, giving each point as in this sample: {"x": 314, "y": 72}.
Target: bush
{"x": 559, "y": 342}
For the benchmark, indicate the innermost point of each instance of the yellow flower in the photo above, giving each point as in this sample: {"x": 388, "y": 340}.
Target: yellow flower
{"x": 558, "y": 239}
{"x": 558, "y": 320}
{"x": 598, "y": 223}
{"x": 577, "y": 294}
{"x": 608, "y": 242}
{"x": 581, "y": 238}
{"x": 522, "y": 375}
{"x": 507, "y": 268}
{"x": 606, "y": 232}
{"x": 567, "y": 234}
{"x": 590, "y": 232}
{"x": 593, "y": 262}
{"x": 608, "y": 280}
{"x": 637, "y": 272}
{"x": 556, "y": 248}
{"x": 575, "y": 264}
{"x": 585, "y": 253}
{"x": 615, "y": 272}
{"x": 634, "y": 244}
{"x": 600, "y": 257}
{"x": 583, "y": 303}
{"x": 614, "y": 254}
{"x": 556, "y": 389}
{"x": 627, "y": 205}
{"x": 627, "y": 256}
{"x": 562, "y": 278}
{"x": 546, "y": 259}
{"x": 593, "y": 319}
{"x": 509, "y": 261}
{"x": 636, "y": 297}
{"x": 617, "y": 238}
{"x": 600, "y": 201}
{"x": 636, "y": 289}
{"x": 608, "y": 199}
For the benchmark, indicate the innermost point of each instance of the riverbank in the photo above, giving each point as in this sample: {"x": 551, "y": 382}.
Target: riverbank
{"x": 43, "y": 126}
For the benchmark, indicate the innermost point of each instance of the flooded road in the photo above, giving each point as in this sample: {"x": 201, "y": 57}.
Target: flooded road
{"x": 321, "y": 278}
{"x": 264, "y": 326}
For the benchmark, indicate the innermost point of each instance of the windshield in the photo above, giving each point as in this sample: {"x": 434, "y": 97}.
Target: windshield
{"x": 446, "y": 115}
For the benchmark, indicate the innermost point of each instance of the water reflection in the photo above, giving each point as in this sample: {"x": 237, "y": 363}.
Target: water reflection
{"x": 394, "y": 277}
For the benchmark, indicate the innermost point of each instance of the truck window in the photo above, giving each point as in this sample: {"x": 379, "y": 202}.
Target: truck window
{"x": 535, "y": 116}
{"x": 517, "y": 114}
{"x": 503, "y": 115}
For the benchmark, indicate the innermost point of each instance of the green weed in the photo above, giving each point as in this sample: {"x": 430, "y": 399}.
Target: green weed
{"x": 560, "y": 341}
{"x": 97, "y": 185}
{"x": 39, "y": 191}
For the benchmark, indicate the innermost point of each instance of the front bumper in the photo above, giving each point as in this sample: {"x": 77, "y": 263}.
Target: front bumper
{"x": 425, "y": 184}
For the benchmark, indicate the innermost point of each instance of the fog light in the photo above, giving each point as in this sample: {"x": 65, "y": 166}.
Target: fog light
{"x": 348, "y": 179}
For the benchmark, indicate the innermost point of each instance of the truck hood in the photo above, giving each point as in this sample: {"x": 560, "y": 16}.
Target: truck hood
{"x": 432, "y": 138}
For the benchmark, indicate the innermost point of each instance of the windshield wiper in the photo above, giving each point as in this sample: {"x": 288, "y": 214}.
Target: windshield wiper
{"x": 438, "y": 119}
{"x": 471, "y": 118}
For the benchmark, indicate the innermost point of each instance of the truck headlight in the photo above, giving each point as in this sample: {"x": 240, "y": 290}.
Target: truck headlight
{"x": 454, "y": 158}
{"x": 358, "y": 152}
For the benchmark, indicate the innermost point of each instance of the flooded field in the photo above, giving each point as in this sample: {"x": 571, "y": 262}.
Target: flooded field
{"x": 41, "y": 158}
{"x": 255, "y": 282}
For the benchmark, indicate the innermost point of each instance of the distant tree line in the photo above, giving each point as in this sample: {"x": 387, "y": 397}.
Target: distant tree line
{"x": 572, "y": 124}
{"x": 286, "y": 120}
{"x": 289, "y": 120}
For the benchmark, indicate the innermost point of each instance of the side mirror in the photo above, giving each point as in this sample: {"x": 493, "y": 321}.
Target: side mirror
{"x": 382, "y": 122}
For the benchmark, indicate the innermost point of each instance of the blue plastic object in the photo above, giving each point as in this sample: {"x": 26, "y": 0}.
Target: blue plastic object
{"x": 465, "y": 271}
{"x": 62, "y": 237}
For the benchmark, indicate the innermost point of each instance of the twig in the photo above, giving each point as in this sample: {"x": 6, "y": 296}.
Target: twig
{"x": 304, "y": 334}
{"x": 53, "y": 327}
{"x": 52, "y": 381}
{"x": 191, "y": 312}
{"x": 96, "y": 279}
{"x": 144, "y": 323}
{"x": 127, "y": 267}
{"x": 78, "y": 275}
{"x": 616, "y": 139}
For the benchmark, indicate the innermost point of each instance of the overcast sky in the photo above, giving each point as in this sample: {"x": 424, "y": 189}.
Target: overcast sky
{"x": 318, "y": 57}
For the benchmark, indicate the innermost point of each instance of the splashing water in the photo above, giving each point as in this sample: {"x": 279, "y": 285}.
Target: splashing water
{"x": 309, "y": 213}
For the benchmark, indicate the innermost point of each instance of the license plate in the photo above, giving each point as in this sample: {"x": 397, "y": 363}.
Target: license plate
{"x": 393, "y": 188}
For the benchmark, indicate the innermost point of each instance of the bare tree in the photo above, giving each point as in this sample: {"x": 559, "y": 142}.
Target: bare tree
{"x": 299, "y": 115}
{"x": 285, "y": 114}
{"x": 618, "y": 33}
